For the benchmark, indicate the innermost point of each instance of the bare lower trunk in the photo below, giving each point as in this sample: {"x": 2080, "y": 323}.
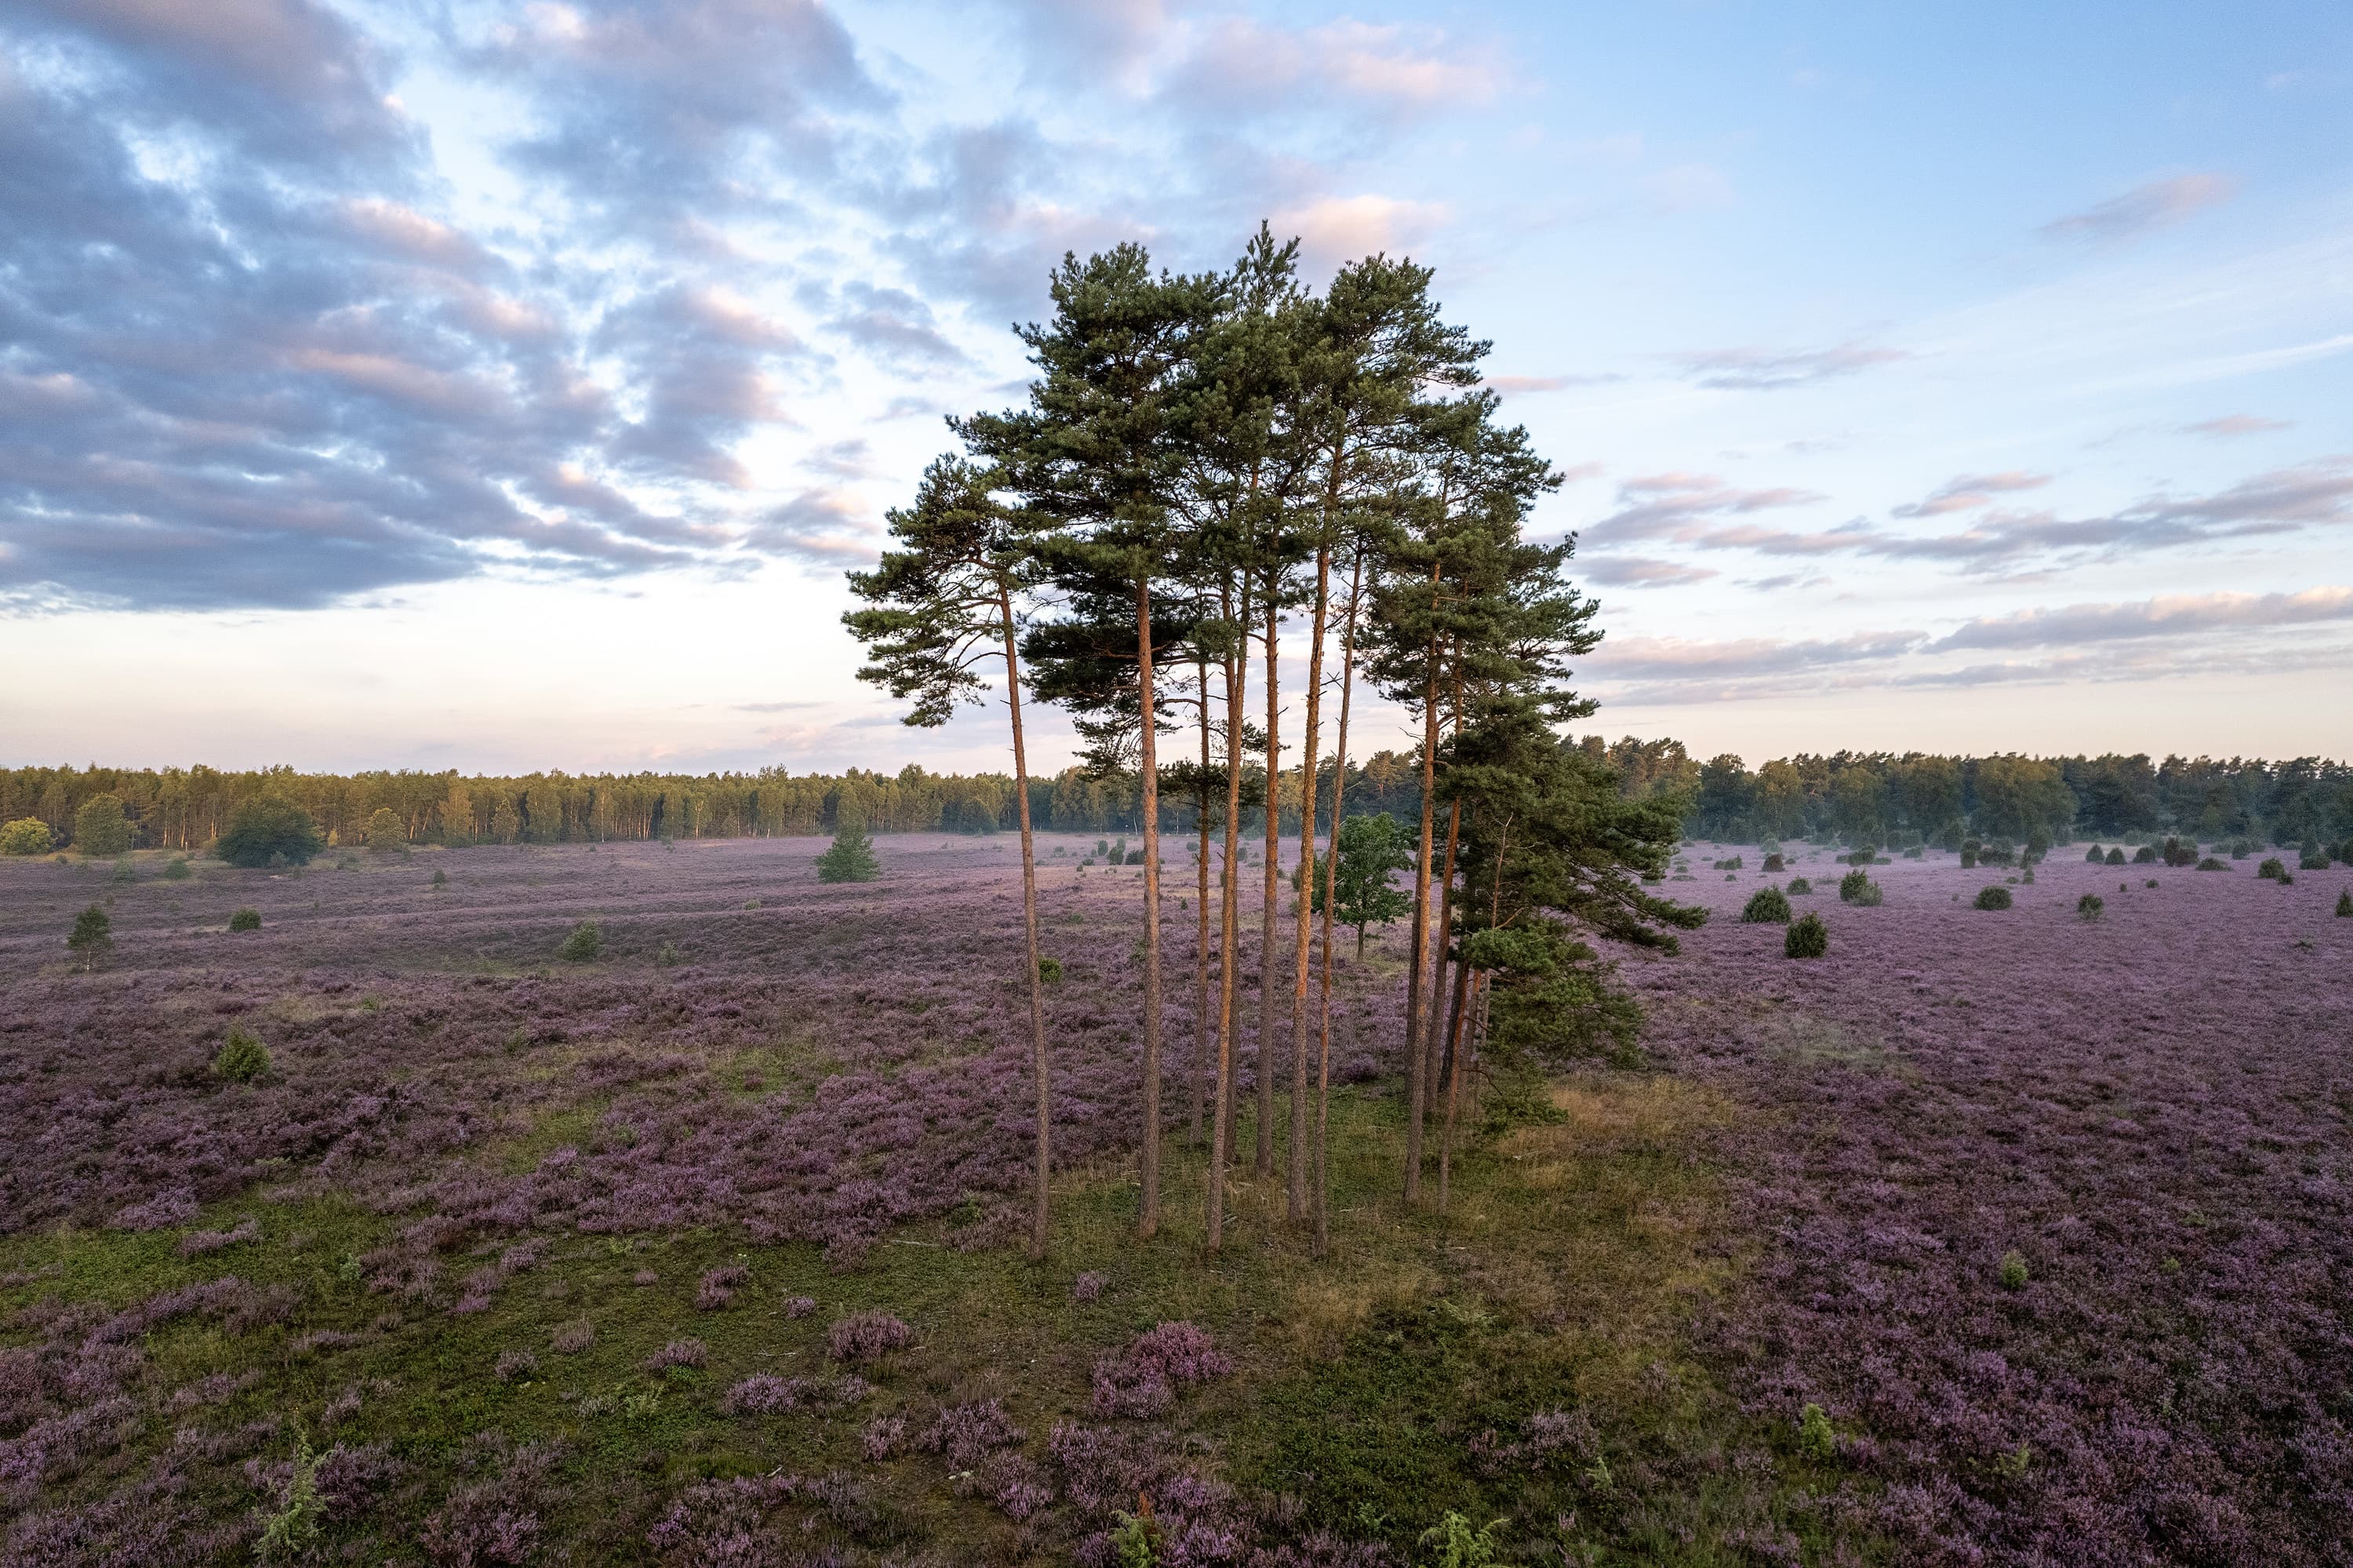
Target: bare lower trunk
{"x": 1295, "y": 1194}
{"x": 1331, "y": 885}
{"x": 1221, "y": 1117}
{"x": 1416, "y": 1089}
{"x": 1041, "y": 1065}
{"x": 1269, "y": 917}
{"x": 1434, "y": 1033}
{"x": 1148, "y": 1220}
{"x": 1202, "y": 937}
{"x": 1454, "y": 1077}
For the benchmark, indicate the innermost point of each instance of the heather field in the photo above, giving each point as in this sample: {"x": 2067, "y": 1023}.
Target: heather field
{"x": 705, "y": 1250}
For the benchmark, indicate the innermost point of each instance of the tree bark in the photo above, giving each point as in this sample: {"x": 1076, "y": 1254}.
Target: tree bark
{"x": 1295, "y": 1205}
{"x": 1201, "y": 939}
{"x": 1331, "y": 890}
{"x": 1416, "y": 1089}
{"x": 1039, "y": 1061}
{"x": 1453, "y": 1077}
{"x": 1269, "y": 917}
{"x": 1221, "y": 1114}
{"x": 1148, "y": 1220}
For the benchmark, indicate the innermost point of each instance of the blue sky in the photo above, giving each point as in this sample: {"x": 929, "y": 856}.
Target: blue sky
{"x": 509, "y": 386}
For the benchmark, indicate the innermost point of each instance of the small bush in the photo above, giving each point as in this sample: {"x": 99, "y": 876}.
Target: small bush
{"x": 2013, "y": 1271}
{"x": 1851, "y": 885}
{"x": 2273, "y": 869}
{"x": 242, "y": 1058}
{"x": 2094, "y": 855}
{"x": 2145, "y": 856}
{"x": 1808, "y": 939}
{"x": 2312, "y": 863}
{"x": 2116, "y": 857}
{"x": 1773, "y": 863}
{"x": 25, "y": 836}
{"x": 666, "y": 955}
{"x": 2088, "y": 907}
{"x": 1733, "y": 864}
{"x": 246, "y": 920}
{"x": 864, "y": 1337}
{"x": 2345, "y": 906}
{"x": 1814, "y": 1434}
{"x": 440, "y": 878}
{"x": 1766, "y": 906}
{"x": 849, "y": 858}
{"x": 582, "y": 947}
{"x": 101, "y": 828}
{"x": 1799, "y": 886}
{"x": 1969, "y": 859}
{"x": 1862, "y": 857}
{"x": 269, "y": 830}
{"x": 176, "y": 869}
{"x": 677, "y": 1353}
{"x": 1994, "y": 897}
{"x": 92, "y": 934}
{"x": 2211, "y": 863}
{"x": 2241, "y": 848}
{"x": 1050, "y": 970}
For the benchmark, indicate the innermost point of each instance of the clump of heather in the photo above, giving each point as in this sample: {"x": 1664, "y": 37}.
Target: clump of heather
{"x": 1766, "y": 906}
{"x": 1143, "y": 1379}
{"x": 885, "y": 1438}
{"x": 967, "y": 1434}
{"x": 864, "y": 1337}
{"x": 574, "y": 1337}
{"x": 717, "y": 1288}
{"x": 515, "y": 1365}
{"x": 799, "y": 1305}
{"x": 197, "y": 1243}
{"x": 677, "y": 1353}
{"x": 764, "y": 1394}
{"x": 1087, "y": 1286}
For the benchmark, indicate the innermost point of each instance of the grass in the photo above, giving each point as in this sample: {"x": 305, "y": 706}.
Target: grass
{"x": 1368, "y": 1385}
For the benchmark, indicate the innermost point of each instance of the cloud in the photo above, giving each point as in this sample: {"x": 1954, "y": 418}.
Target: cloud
{"x": 1970, "y": 492}
{"x": 1683, "y": 659}
{"x": 2142, "y": 210}
{"x": 819, "y": 527}
{"x": 2233, "y": 425}
{"x": 2169, "y": 616}
{"x": 1241, "y": 65}
{"x": 1669, "y": 505}
{"x": 1641, "y": 571}
{"x": 1511, "y": 385}
{"x": 1769, "y": 370}
{"x": 1338, "y": 228}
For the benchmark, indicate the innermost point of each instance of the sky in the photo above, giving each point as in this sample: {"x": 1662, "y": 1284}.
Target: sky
{"x": 508, "y": 387}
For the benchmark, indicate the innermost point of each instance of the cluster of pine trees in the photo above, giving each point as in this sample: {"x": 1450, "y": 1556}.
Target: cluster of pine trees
{"x": 1206, "y": 464}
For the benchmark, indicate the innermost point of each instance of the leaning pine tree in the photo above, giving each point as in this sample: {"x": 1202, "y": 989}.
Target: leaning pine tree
{"x": 944, "y": 604}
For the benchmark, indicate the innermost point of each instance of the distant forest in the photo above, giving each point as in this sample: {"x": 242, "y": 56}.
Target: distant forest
{"x": 1853, "y": 797}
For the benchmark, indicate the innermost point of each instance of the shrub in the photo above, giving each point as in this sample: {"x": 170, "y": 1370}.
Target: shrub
{"x": 385, "y": 831}
{"x": 516, "y": 1366}
{"x": 1872, "y": 896}
{"x": 101, "y": 828}
{"x": 865, "y": 1336}
{"x": 2116, "y": 857}
{"x": 1799, "y": 886}
{"x": 176, "y": 869}
{"x": 242, "y": 1058}
{"x": 668, "y": 955}
{"x": 2241, "y": 848}
{"x": 2088, "y": 907}
{"x": 2013, "y": 1271}
{"x": 2177, "y": 852}
{"x": 1457, "y": 1544}
{"x": 1862, "y": 857}
{"x": 677, "y": 1353}
{"x": 1969, "y": 858}
{"x": 267, "y": 826}
{"x": 1767, "y": 906}
{"x": 2145, "y": 856}
{"x": 850, "y": 858}
{"x": 1732, "y": 863}
{"x": 2345, "y": 906}
{"x": 1994, "y": 897}
{"x": 2271, "y": 870}
{"x": 2211, "y": 863}
{"x": 1774, "y": 862}
{"x": 587, "y": 940}
{"x": 1050, "y": 970}
{"x": 717, "y": 1286}
{"x": 1814, "y": 1434}
{"x": 25, "y": 836}
{"x": 2311, "y": 861}
{"x": 92, "y": 934}
{"x": 1808, "y": 939}
{"x": 1851, "y": 885}
{"x": 246, "y": 920}
{"x": 440, "y": 878}
{"x": 2094, "y": 855}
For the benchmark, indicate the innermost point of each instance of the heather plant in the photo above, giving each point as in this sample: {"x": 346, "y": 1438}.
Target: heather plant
{"x": 2088, "y": 907}
{"x": 1993, "y": 897}
{"x": 2211, "y": 863}
{"x": 242, "y": 1057}
{"x": 92, "y": 937}
{"x": 269, "y": 829}
{"x": 865, "y": 1336}
{"x": 1767, "y": 905}
{"x": 851, "y": 857}
{"x": 245, "y": 920}
{"x": 1807, "y": 939}
{"x": 583, "y": 945}
{"x": 25, "y": 836}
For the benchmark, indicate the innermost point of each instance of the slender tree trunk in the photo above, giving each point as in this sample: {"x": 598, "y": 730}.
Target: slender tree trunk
{"x": 1416, "y": 1087}
{"x": 1201, "y": 938}
{"x": 1331, "y": 892}
{"x": 1148, "y": 1221}
{"x": 1222, "y": 1115}
{"x": 1039, "y": 1062}
{"x": 1434, "y": 1033}
{"x": 1453, "y": 1074}
{"x": 1270, "y": 918}
{"x": 1295, "y": 1205}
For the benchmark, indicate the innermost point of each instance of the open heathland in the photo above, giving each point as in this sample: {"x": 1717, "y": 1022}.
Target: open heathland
{"x": 382, "y": 1232}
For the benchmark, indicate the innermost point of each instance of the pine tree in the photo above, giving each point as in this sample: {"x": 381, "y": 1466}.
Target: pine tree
{"x": 850, "y": 858}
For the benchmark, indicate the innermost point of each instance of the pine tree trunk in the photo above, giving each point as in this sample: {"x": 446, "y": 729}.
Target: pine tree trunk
{"x": 1201, "y": 938}
{"x": 1331, "y": 892}
{"x": 1269, "y": 917}
{"x": 1039, "y": 1062}
{"x": 1416, "y": 1089}
{"x": 1453, "y": 1075}
{"x": 1295, "y": 1195}
{"x": 1221, "y": 1114}
{"x": 1148, "y": 1221}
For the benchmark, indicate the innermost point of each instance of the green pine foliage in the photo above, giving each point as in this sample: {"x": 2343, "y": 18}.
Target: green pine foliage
{"x": 587, "y": 940}
{"x": 385, "y": 832}
{"x": 242, "y": 1057}
{"x": 246, "y": 920}
{"x": 269, "y": 829}
{"x": 25, "y": 836}
{"x": 1766, "y": 906}
{"x": 1808, "y": 939}
{"x": 1372, "y": 850}
{"x": 1994, "y": 897}
{"x": 2273, "y": 869}
{"x": 850, "y": 858}
{"x": 101, "y": 828}
{"x": 2345, "y": 906}
{"x": 93, "y": 936}
{"x": 2088, "y": 907}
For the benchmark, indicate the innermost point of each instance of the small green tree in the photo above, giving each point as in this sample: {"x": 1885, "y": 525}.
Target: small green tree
{"x": 851, "y": 857}
{"x": 93, "y": 936}
{"x": 2345, "y": 905}
{"x": 246, "y": 920}
{"x": 1994, "y": 897}
{"x": 2088, "y": 907}
{"x": 101, "y": 828}
{"x": 242, "y": 1058}
{"x": 270, "y": 825}
{"x": 1373, "y": 848}
{"x": 1766, "y": 906}
{"x": 290, "y": 1530}
{"x": 587, "y": 940}
{"x": 25, "y": 836}
{"x": 177, "y": 870}
{"x": 385, "y": 832}
{"x": 1808, "y": 939}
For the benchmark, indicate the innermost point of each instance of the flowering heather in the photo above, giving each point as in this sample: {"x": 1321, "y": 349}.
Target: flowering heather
{"x": 2147, "y": 1111}
{"x": 677, "y": 1353}
{"x": 717, "y": 1286}
{"x": 1143, "y": 1379}
{"x": 865, "y": 1336}
{"x": 967, "y": 1433}
{"x": 1087, "y": 1286}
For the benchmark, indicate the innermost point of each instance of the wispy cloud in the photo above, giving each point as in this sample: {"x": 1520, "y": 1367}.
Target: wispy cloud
{"x": 1770, "y": 370}
{"x": 2143, "y": 209}
{"x": 2234, "y": 425}
{"x": 1970, "y": 492}
{"x": 1640, "y": 571}
{"x": 2160, "y": 617}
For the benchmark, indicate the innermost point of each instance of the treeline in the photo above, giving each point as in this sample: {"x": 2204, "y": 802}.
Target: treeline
{"x": 1851, "y": 797}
